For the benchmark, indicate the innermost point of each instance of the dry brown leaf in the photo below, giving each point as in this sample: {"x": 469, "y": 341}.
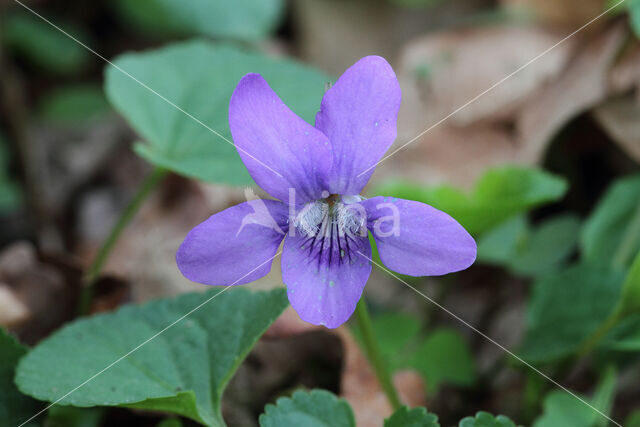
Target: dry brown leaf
{"x": 463, "y": 65}
{"x": 581, "y": 86}
{"x": 145, "y": 253}
{"x": 44, "y": 289}
{"x": 620, "y": 118}
{"x": 12, "y": 311}
{"x": 566, "y": 13}
{"x": 332, "y": 35}
{"x": 452, "y": 68}
{"x": 625, "y": 74}
{"x": 449, "y": 154}
{"x": 512, "y": 123}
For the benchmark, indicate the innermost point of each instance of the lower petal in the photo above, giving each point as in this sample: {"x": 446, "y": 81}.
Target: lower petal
{"x": 416, "y": 239}
{"x": 325, "y": 276}
{"x": 234, "y": 246}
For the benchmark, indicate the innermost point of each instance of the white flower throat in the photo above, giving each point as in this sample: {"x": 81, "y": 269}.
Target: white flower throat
{"x": 336, "y": 215}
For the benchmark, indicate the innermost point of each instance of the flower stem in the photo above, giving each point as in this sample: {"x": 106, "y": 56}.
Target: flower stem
{"x": 372, "y": 349}
{"x": 93, "y": 272}
{"x": 621, "y": 257}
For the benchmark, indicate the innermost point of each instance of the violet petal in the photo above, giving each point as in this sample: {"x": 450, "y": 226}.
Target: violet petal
{"x": 234, "y": 246}
{"x": 426, "y": 242}
{"x": 359, "y": 115}
{"x": 325, "y": 280}
{"x": 272, "y": 140}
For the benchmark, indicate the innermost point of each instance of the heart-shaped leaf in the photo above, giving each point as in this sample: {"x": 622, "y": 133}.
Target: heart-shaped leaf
{"x": 567, "y": 307}
{"x": 444, "y": 357}
{"x": 530, "y": 251}
{"x": 181, "y": 369}
{"x": 199, "y": 78}
{"x": 317, "y": 408}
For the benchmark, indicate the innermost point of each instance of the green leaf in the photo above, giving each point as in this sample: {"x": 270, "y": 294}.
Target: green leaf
{"x": 239, "y": 19}
{"x": 499, "y": 195}
{"x": 549, "y": 245}
{"x": 485, "y": 419}
{"x": 499, "y": 245}
{"x": 416, "y": 417}
{"x": 611, "y": 235}
{"x": 393, "y": 332}
{"x": 74, "y": 104}
{"x": 529, "y": 251}
{"x": 625, "y": 336}
{"x": 562, "y": 409}
{"x": 634, "y": 15}
{"x": 567, "y": 307}
{"x": 199, "y": 77}
{"x": 633, "y": 420}
{"x": 316, "y": 408}
{"x": 183, "y": 370}
{"x": 630, "y": 301}
{"x": 15, "y": 408}
{"x": 45, "y": 45}
{"x": 444, "y": 357}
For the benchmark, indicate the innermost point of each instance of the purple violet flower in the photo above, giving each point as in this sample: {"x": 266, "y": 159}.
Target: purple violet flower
{"x": 319, "y": 213}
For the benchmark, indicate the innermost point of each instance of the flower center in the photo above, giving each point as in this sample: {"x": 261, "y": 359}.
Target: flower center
{"x": 336, "y": 214}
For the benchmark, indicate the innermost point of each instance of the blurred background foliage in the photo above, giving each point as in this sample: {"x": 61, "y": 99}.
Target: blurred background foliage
{"x": 113, "y": 107}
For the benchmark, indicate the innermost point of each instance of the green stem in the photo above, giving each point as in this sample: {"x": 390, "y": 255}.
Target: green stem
{"x": 622, "y": 255}
{"x": 600, "y": 333}
{"x": 372, "y": 350}
{"x": 93, "y": 272}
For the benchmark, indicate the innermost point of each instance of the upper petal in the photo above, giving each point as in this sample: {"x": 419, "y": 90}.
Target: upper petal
{"x": 359, "y": 115}
{"x": 416, "y": 239}
{"x": 325, "y": 276}
{"x": 281, "y": 150}
{"x": 234, "y": 246}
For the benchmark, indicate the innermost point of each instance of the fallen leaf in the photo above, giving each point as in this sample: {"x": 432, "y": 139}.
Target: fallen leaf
{"x": 12, "y": 311}
{"x": 582, "y": 85}
{"x": 40, "y": 287}
{"x": 452, "y": 68}
{"x": 449, "y": 154}
{"x": 361, "y": 27}
{"x": 620, "y": 118}
{"x": 566, "y": 13}
{"x": 625, "y": 74}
